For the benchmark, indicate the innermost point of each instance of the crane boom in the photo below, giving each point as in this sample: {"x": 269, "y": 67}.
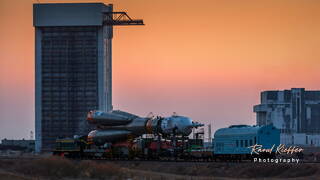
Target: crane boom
{"x": 120, "y": 18}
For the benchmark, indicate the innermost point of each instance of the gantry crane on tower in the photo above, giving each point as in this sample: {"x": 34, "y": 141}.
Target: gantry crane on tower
{"x": 120, "y": 18}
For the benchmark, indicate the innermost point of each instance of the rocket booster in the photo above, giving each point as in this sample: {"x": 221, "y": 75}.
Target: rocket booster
{"x": 114, "y": 118}
{"x": 118, "y": 125}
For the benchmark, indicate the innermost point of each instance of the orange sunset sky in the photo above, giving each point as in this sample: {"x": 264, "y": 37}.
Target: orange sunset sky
{"x": 206, "y": 59}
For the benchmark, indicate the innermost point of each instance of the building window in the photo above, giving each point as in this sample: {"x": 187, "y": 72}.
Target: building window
{"x": 306, "y": 139}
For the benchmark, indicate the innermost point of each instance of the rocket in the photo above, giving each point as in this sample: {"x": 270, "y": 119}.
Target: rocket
{"x": 116, "y": 126}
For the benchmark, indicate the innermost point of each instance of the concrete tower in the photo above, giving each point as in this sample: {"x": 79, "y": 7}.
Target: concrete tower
{"x": 73, "y": 49}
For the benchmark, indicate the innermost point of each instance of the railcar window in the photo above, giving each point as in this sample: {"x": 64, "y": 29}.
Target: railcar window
{"x": 246, "y": 143}
{"x": 241, "y": 143}
{"x": 250, "y": 142}
{"x": 255, "y": 140}
{"x": 237, "y": 143}
{"x": 220, "y": 146}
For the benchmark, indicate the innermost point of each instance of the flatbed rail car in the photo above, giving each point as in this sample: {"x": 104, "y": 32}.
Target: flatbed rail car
{"x": 143, "y": 149}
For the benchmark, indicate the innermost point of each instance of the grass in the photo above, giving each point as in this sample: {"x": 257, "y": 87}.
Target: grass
{"x": 60, "y": 168}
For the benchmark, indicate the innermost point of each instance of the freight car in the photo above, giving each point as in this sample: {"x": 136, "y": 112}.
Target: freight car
{"x": 234, "y": 142}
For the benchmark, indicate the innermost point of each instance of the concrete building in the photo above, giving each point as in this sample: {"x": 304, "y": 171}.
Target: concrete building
{"x": 301, "y": 139}
{"x": 26, "y": 145}
{"x": 295, "y": 112}
{"x": 292, "y": 111}
{"x": 72, "y": 68}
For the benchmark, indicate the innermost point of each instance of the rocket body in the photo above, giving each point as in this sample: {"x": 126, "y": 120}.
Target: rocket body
{"x": 117, "y": 126}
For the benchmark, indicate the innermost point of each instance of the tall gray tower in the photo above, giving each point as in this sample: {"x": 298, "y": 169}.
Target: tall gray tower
{"x": 73, "y": 66}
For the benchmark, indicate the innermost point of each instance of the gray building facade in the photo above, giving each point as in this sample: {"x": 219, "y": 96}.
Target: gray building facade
{"x": 28, "y": 145}
{"x": 72, "y": 68}
{"x": 292, "y": 111}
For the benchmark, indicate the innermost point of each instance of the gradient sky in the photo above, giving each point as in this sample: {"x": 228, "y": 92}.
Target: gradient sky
{"x": 206, "y": 59}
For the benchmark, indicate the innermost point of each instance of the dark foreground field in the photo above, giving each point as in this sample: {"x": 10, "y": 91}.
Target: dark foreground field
{"x": 59, "y": 168}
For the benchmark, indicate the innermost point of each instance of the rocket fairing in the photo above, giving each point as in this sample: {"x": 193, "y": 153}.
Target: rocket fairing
{"x": 115, "y": 126}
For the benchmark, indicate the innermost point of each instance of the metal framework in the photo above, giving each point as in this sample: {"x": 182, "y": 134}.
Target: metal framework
{"x": 120, "y": 18}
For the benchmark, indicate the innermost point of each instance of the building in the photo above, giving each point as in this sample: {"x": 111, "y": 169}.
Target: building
{"x": 22, "y": 145}
{"x": 295, "y": 112}
{"x": 72, "y": 68}
{"x": 301, "y": 139}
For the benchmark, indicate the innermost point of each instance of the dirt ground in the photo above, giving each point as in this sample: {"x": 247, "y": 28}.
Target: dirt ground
{"x": 215, "y": 170}
{"x": 60, "y": 168}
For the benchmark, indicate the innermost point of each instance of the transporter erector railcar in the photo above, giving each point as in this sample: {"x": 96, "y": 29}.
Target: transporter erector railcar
{"x": 117, "y": 134}
{"x": 236, "y": 140}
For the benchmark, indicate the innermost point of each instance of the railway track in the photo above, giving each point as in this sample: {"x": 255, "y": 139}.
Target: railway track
{"x": 144, "y": 160}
